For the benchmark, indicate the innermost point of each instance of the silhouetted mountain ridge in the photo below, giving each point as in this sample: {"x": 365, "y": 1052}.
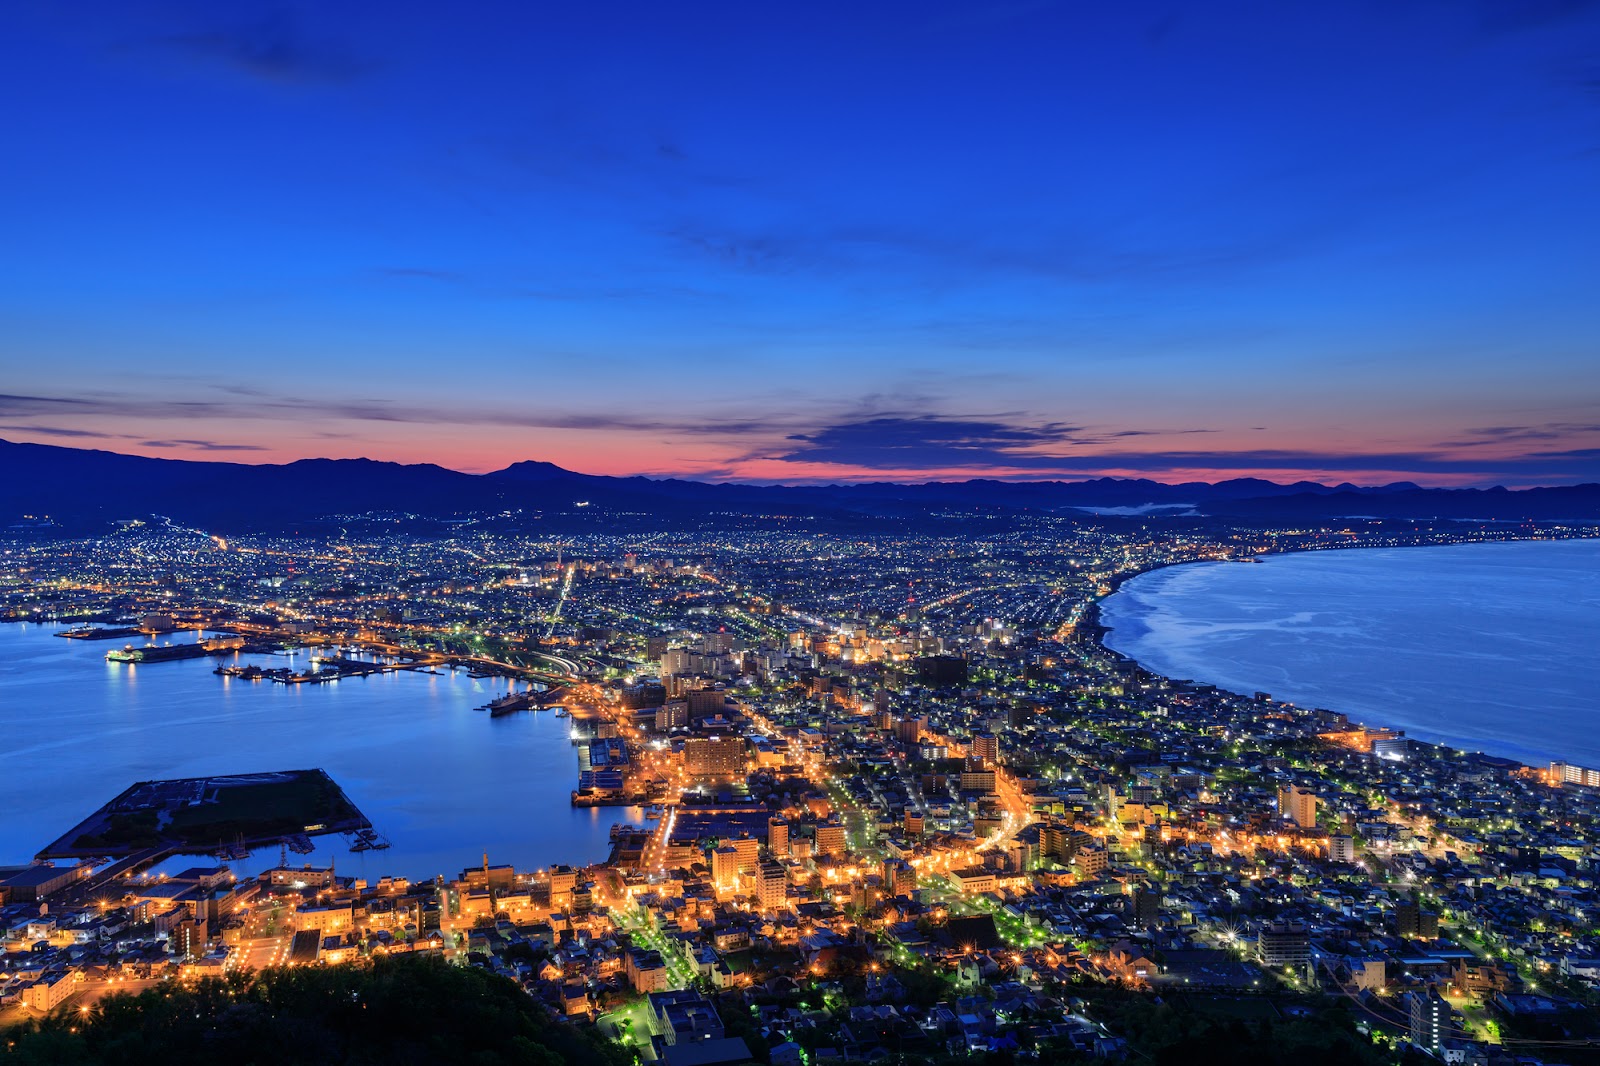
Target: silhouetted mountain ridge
{"x": 85, "y": 488}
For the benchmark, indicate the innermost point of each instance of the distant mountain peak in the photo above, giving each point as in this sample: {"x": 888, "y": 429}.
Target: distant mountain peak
{"x": 533, "y": 470}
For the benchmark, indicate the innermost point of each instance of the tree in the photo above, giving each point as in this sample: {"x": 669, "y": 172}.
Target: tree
{"x": 406, "y": 1011}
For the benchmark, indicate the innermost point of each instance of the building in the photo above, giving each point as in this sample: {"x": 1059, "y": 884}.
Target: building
{"x": 973, "y": 879}
{"x": 1298, "y": 806}
{"x": 684, "y": 1017}
{"x": 778, "y": 836}
{"x": 1091, "y": 862}
{"x": 714, "y": 757}
{"x": 914, "y": 823}
{"x": 1147, "y": 907}
{"x": 1342, "y": 848}
{"x": 705, "y": 702}
{"x": 332, "y": 918}
{"x": 187, "y": 939}
{"x": 307, "y": 876}
{"x": 48, "y": 993}
{"x": 1284, "y": 944}
{"x": 772, "y": 886}
{"x": 1415, "y": 923}
{"x": 725, "y": 868}
{"x": 563, "y": 879}
{"x": 899, "y": 878}
{"x": 38, "y": 882}
{"x": 1564, "y": 773}
{"x": 647, "y": 971}
{"x": 938, "y": 671}
{"x": 977, "y": 781}
{"x": 1430, "y": 1018}
{"x": 830, "y": 839}
{"x": 986, "y": 746}
{"x": 1063, "y": 842}
{"x": 674, "y": 714}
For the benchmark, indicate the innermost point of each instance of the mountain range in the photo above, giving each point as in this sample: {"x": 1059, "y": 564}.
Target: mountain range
{"x": 83, "y": 489}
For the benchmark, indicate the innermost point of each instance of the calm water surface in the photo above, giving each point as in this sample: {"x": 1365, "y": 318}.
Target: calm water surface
{"x": 444, "y": 782}
{"x": 1487, "y": 647}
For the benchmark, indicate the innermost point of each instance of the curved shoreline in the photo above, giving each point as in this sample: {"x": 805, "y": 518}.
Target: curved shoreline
{"x": 1098, "y": 631}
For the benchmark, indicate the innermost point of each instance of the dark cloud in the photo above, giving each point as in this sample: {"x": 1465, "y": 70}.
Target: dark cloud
{"x": 253, "y": 404}
{"x": 203, "y": 445}
{"x": 274, "y": 47}
{"x": 940, "y": 254}
{"x": 933, "y": 444}
{"x": 62, "y": 431}
{"x": 902, "y": 442}
{"x": 1492, "y": 435}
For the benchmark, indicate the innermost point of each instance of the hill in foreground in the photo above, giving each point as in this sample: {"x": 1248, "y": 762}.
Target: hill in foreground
{"x": 408, "y": 1011}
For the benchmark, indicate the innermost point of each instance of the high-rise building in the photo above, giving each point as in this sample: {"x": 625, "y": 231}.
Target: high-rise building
{"x": 1091, "y": 861}
{"x": 1298, "y": 806}
{"x": 986, "y": 747}
{"x": 674, "y": 714}
{"x": 1147, "y": 907}
{"x": 1430, "y": 1018}
{"x": 778, "y": 837}
{"x": 187, "y": 939}
{"x": 705, "y": 703}
{"x": 899, "y": 878}
{"x": 714, "y": 757}
{"x": 725, "y": 868}
{"x": 1284, "y": 944}
{"x": 772, "y": 886}
{"x": 562, "y": 881}
{"x": 909, "y": 730}
{"x": 1413, "y": 922}
{"x": 830, "y": 839}
{"x": 748, "y": 851}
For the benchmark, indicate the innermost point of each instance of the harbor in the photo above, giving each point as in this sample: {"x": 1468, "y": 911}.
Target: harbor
{"x": 404, "y": 743}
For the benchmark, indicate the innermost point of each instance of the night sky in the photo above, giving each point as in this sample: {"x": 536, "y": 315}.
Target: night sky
{"x": 1343, "y": 241}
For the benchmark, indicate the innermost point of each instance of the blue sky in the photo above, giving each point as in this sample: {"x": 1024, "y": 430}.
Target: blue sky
{"x": 1024, "y": 239}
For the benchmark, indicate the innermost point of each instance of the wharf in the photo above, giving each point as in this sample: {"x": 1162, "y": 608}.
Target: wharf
{"x": 100, "y": 633}
{"x": 196, "y": 816}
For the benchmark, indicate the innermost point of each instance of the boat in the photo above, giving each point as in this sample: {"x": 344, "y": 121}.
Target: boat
{"x": 509, "y": 703}
{"x": 159, "y": 653}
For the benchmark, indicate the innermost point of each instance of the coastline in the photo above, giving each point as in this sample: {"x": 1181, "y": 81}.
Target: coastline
{"x": 1097, "y": 631}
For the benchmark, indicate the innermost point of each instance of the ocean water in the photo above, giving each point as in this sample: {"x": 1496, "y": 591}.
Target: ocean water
{"x": 444, "y": 782}
{"x": 1487, "y": 647}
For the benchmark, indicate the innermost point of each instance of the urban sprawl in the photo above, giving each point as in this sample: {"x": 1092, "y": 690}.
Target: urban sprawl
{"x": 902, "y": 801}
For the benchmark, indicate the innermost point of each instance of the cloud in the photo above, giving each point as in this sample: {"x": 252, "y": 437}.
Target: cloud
{"x": 899, "y": 442}
{"x": 274, "y": 47}
{"x": 203, "y": 445}
{"x": 1003, "y": 448}
{"x": 245, "y": 402}
{"x": 1492, "y": 435}
{"x": 939, "y": 254}
{"x": 62, "y": 431}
